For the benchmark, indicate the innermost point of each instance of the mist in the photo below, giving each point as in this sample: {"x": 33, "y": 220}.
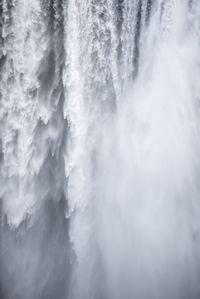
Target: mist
{"x": 100, "y": 149}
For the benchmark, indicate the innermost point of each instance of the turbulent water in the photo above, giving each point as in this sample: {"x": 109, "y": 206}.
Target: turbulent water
{"x": 99, "y": 149}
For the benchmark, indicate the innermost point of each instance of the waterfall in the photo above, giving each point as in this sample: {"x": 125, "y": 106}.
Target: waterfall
{"x": 99, "y": 149}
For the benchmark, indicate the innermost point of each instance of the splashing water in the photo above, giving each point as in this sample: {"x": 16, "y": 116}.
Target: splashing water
{"x": 100, "y": 149}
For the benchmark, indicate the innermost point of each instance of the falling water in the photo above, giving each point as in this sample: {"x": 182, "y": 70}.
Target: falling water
{"x": 99, "y": 149}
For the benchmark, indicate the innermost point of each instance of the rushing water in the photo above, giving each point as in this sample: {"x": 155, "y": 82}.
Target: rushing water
{"x": 99, "y": 149}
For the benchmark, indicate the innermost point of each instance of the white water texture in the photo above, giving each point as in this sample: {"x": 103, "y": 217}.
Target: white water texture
{"x": 100, "y": 149}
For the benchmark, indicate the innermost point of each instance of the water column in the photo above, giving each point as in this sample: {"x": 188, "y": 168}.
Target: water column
{"x": 34, "y": 232}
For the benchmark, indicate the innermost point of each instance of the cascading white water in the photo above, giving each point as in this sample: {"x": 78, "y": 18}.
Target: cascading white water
{"x": 100, "y": 151}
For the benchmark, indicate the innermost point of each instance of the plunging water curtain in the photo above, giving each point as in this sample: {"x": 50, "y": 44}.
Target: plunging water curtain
{"x": 99, "y": 149}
